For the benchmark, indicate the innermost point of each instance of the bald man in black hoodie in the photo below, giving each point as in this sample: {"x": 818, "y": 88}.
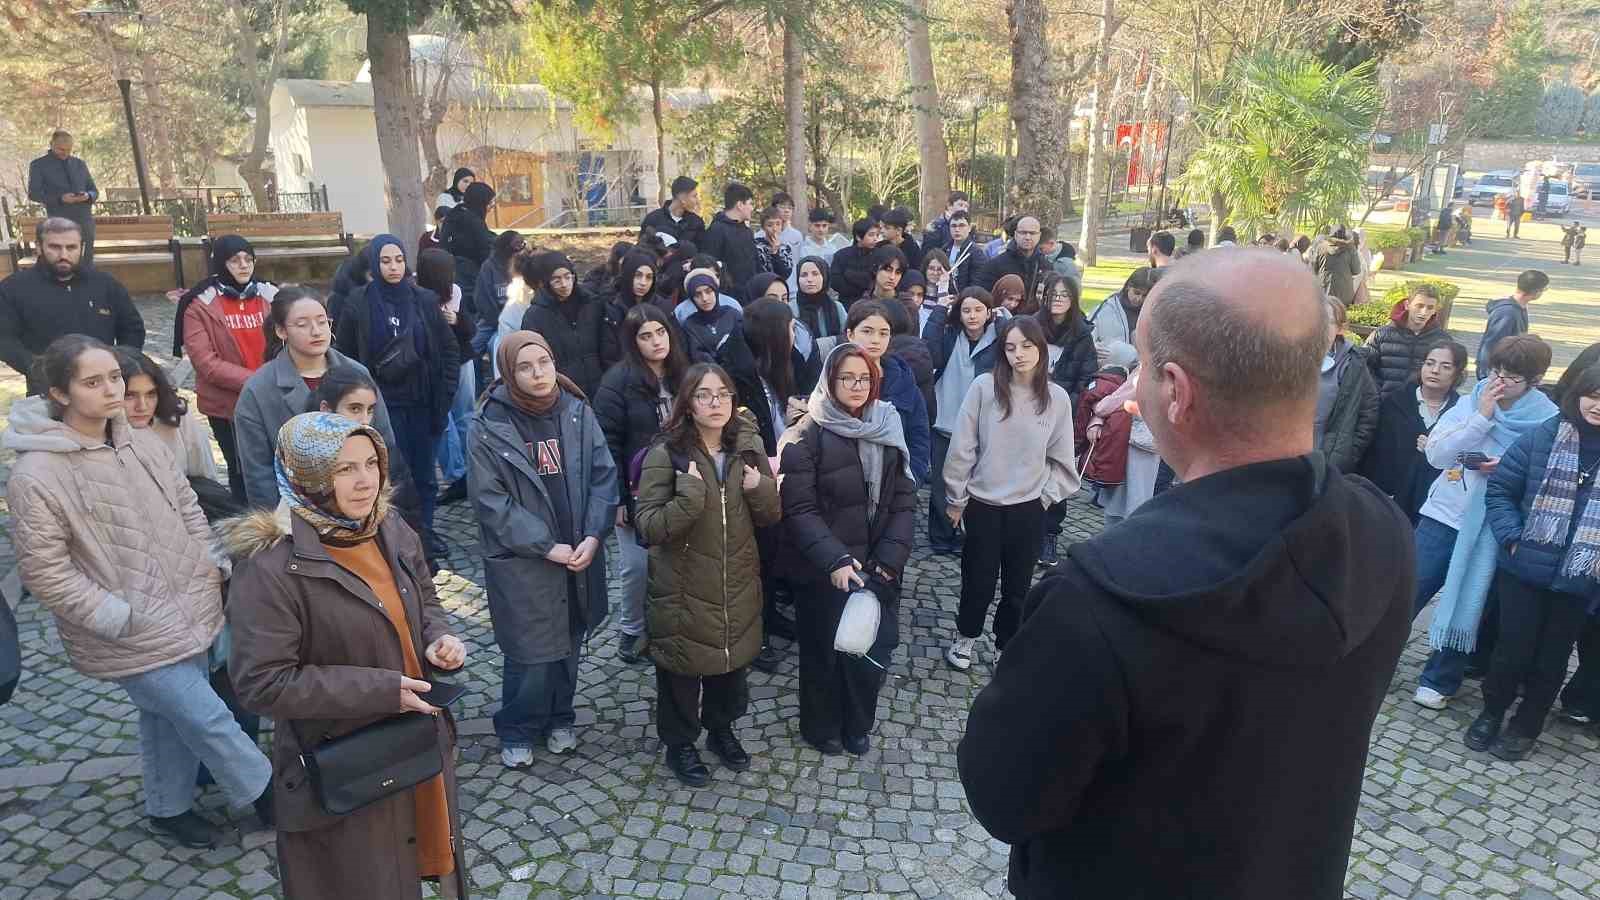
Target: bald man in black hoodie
{"x": 1199, "y": 728}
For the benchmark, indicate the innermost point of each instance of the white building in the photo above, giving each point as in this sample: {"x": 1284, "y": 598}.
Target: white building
{"x": 519, "y": 138}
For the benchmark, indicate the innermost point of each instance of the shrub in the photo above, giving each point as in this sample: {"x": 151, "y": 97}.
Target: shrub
{"x": 1402, "y": 290}
{"x": 1387, "y": 240}
{"x": 1419, "y": 235}
{"x": 1374, "y": 315}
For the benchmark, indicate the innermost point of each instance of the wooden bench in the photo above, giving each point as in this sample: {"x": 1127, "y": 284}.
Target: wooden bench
{"x": 117, "y": 239}
{"x": 283, "y": 234}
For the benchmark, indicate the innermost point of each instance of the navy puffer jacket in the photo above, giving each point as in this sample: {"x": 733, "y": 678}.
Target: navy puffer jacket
{"x": 1508, "y": 501}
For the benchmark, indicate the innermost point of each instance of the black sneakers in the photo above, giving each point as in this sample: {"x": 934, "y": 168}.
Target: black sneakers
{"x": 188, "y": 829}
{"x": 1483, "y": 732}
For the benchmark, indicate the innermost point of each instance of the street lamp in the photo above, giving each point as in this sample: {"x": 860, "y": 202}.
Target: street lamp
{"x": 102, "y": 19}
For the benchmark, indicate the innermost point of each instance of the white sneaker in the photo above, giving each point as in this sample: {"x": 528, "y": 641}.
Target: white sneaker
{"x": 959, "y": 656}
{"x": 1432, "y": 699}
{"x": 561, "y": 740}
{"x": 516, "y": 757}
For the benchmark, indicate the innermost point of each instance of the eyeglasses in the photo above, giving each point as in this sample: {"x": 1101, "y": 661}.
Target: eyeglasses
{"x": 713, "y": 398}
{"x": 1512, "y": 380}
{"x": 854, "y": 382}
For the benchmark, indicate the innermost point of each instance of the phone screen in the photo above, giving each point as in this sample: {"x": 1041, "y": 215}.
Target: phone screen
{"x": 443, "y": 694}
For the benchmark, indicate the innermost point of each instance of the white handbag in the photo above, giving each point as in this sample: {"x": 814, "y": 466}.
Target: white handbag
{"x": 858, "y": 627}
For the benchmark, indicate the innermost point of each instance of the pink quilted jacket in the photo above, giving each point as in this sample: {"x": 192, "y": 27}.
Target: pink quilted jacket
{"x": 112, "y": 541}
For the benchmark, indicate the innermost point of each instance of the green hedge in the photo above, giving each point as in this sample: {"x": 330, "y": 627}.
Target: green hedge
{"x": 1374, "y": 315}
{"x": 1402, "y": 290}
{"x": 1388, "y": 239}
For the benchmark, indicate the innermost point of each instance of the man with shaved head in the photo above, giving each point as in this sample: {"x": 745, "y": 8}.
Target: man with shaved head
{"x": 1021, "y": 257}
{"x": 1186, "y": 709}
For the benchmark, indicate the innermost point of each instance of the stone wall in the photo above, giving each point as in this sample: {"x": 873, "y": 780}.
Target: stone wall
{"x": 1483, "y": 156}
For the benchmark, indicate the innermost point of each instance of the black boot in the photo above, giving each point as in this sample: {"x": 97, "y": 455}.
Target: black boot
{"x": 725, "y": 744}
{"x": 1513, "y": 747}
{"x": 684, "y": 760}
{"x": 781, "y": 625}
{"x": 769, "y": 659}
{"x": 1483, "y": 732}
{"x": 188, "y": 829}
{"x": 857, "y": 746}
{"x": 455, "y": 493}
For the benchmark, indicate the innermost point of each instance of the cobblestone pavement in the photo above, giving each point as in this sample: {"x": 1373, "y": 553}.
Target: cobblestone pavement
{"x": 1436, "y": 819}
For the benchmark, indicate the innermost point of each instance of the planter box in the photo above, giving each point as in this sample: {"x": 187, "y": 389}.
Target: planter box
{"x": 1394, "y": 258}
{"x": 1362, "y": 331}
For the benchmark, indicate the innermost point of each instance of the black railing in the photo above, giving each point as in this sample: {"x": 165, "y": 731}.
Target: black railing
{"x": 188, "y": 212}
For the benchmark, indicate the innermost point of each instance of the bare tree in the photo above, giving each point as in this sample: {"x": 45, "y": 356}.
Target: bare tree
{"x": 1088, "y": 236}
{"x": 934, "y": 186}
{"x": 395, "y": 114}
{"x": 794, "y": 119}
{"x": 259, "y": 28}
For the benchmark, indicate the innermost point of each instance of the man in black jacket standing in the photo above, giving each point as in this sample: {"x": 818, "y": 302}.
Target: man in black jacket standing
{"x": 1021, "y": 257}
{"x": 1199, "y": 728}
{"x": 729, "y": 239}
{"x": 62, "y": 184}
{"x": 59, "y": 295}
{"x": 679, "y": 217}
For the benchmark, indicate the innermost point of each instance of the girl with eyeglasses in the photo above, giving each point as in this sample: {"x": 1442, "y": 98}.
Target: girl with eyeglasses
{"x": 871, "y": 328}
{"x": 544, "y": 485}
{"x": 1011, "y": 458}
{"x": 1455, "y": 545}
{"x": 848, "y": 506}
{"x": 704, "y": 489}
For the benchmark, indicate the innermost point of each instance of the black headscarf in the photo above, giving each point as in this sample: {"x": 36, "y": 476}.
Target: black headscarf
{"x": 622, "y": 287}
{"x": 816, "y": 311}
{"x": 222, "y": 249}
{"x": 455, "y": 179}
{"x": 392, "y": 309}
{"x": 478, "y": 198}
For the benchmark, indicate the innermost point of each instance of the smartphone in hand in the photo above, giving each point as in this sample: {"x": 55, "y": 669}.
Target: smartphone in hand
{"x": 442, "y": 694}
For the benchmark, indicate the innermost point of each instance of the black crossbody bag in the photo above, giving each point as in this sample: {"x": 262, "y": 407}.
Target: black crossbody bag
{"x": 373, "y": 762}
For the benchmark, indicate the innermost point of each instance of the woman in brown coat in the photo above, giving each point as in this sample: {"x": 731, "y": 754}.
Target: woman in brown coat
{"x": 336, "y": 626}
{"x": 703, "y": 491}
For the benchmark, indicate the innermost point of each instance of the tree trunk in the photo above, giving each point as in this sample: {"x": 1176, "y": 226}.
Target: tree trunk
{"x": 1033, "y": 188}
{"x": 394, "y": 111}
{"x": 794, "y": 121}
{"x": 658, "y": 116}
{"x": 1088, "y": 236}
{"x": 933, "y": 189}
{"x": 1219, "y": 217}
{"x": 161, "y": 152}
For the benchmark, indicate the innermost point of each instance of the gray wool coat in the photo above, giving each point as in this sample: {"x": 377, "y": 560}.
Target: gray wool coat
{"x": 275, "y": 394}
{"x": 535, "y": 616}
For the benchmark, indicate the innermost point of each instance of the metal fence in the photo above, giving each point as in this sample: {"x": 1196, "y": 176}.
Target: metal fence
{"x": 592, "y": 217}
{"x": 188, "y": 211}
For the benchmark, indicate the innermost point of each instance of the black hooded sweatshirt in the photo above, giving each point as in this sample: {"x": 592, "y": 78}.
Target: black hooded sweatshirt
{"x": 732, "y": 242}
{"x": 1198, "y": 729}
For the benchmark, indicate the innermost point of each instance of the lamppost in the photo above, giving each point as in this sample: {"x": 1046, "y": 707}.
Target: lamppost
{"x": 102, "y": 19}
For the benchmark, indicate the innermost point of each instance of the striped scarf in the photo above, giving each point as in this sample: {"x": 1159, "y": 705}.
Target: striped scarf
{"x": 1550, "y": 516}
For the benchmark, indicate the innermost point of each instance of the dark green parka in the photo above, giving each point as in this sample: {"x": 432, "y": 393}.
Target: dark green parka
{"x": 705, "y": 572}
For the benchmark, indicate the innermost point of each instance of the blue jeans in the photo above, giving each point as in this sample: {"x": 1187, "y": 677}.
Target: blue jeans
{"x": 535, "y": 699}
{"x": 451, "y": 448}
{"x": 182, "y": 723}
{"x": 1436, "y": 541}
{"x": 481, "y": 337}
{"x": 413, "y": 432}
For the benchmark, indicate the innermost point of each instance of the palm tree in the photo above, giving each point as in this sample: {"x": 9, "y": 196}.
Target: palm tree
{"x": 1284, "y": 142}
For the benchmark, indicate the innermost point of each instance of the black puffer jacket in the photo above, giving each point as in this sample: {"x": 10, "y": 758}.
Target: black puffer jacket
{"x": 734, "y": 244}
{"x": 1395, "y": 353}
{"x": 468, "y": 238}
{"x": 584, "y": 346}
{"x": 825, "y": 505}
{"x": 626, "y": 405}
{"x": 351, "y": 278}
{"x": 1078, "y": 362}
{"x": 1392, "y": 461}
{"x": 914, "y": 352}
{"x": 1011, "y": 261}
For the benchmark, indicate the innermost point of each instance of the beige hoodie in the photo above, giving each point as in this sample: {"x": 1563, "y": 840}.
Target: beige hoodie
{"x": 111, "y": 539}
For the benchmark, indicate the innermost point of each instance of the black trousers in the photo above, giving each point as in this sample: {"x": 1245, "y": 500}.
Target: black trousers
{"x": 686, "y": 704}
{"x": 1002, "y": 545}
{"x": 223, "y": 429}
{"x": 1583, "y": 690}
{"x": 1537, "y": 629}
{"x": 941, "y": 534}
{"x": 838, "y": 691}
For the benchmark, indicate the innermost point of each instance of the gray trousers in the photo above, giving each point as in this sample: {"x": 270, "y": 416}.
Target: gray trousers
{"x": 632, "y": 567}
{"x": 182, "y": 723}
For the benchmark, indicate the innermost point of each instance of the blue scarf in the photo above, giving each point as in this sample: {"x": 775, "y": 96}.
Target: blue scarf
{"x": 1472, "y": 562}
{"x": 391, "y": 308}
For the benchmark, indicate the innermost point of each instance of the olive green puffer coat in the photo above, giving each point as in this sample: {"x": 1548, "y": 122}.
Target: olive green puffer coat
{"x": 705, "y": 572}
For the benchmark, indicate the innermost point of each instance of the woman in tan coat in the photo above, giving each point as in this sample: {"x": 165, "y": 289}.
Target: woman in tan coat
{"x": 111, "y": 540}
{"x": 336, "y": 626}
